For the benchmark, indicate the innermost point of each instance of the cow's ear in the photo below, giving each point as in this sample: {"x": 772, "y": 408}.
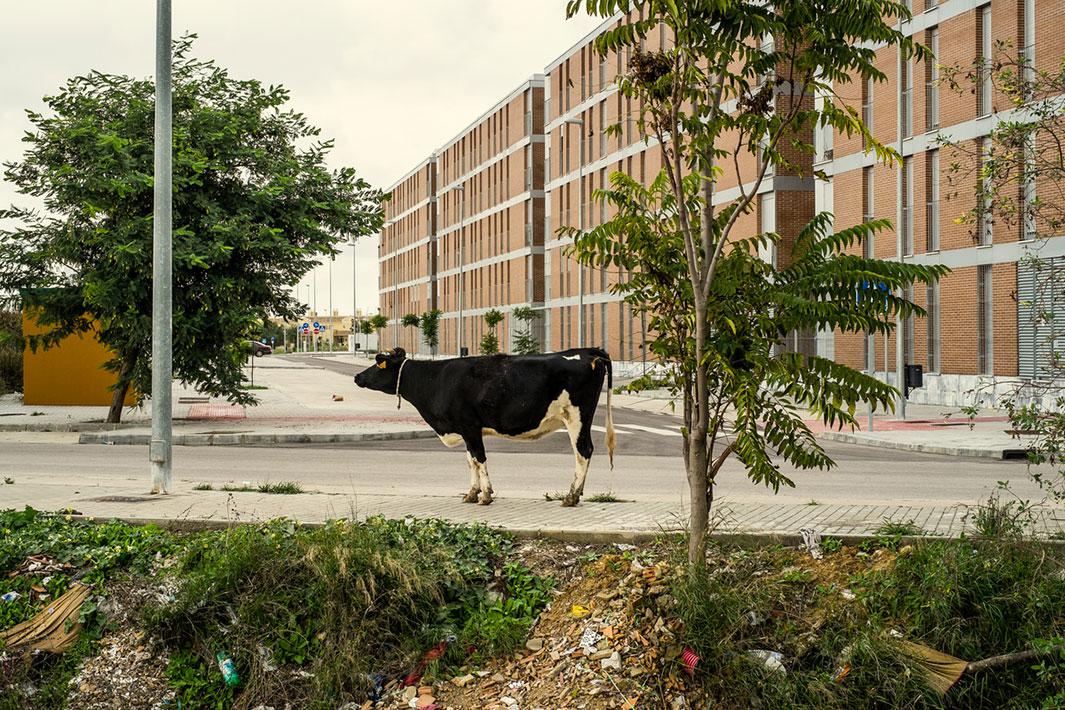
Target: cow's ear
{"x": 398, "y": 354}
{"x": 381, "y": 357}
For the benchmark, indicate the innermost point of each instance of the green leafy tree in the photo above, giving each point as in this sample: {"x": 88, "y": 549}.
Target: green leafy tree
{"x": 377, "y": 323}
{"x": 490, "y": 341}
{"x": 525, "y": 342}
{"x": 711, "y": 95}
{"x": 410, "y": 320}
{"x": 254, "y": 208}
{"x": 430, "y": 326}
{"x": 10, "y": 352}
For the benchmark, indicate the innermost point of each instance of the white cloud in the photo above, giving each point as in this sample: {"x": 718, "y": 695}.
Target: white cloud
{"x": 390, "y": 82}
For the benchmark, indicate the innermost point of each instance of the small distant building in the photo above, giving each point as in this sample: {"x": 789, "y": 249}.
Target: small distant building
{"x": 70, "y": 373}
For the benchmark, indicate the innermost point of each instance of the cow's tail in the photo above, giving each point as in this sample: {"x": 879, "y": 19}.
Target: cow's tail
{"x": 611, "y": 437}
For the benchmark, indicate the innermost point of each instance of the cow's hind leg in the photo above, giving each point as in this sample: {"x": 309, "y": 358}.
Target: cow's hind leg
{"x": 480, "y": 486}
{"x": 580, "y": 436}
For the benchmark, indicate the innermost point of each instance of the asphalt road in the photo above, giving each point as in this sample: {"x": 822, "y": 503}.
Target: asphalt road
{"x": 525, "y": 470}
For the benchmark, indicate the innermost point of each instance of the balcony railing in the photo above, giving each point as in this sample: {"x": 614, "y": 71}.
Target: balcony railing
{"x": 528, "y": 122}
{"x": 528, "y": 235}
{"x": 932, "y": 225}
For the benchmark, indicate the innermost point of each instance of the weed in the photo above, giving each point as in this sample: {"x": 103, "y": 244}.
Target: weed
{"x": 557, "y": 495}
{"x": 604, "y": 498}
{"x": 281, "y": 488}
{"x": 814, "y": 502}
{"x": 203, "y": 487}
{"x": 890, "y": 534}
{"x": 253, "y": 387}
{"x": 998, "y": 518}
{"x": 341, "y": 602}
{"x": 831, "y": 544}
{"x": 9, "y": 480}
{"x": 969, "y": 600}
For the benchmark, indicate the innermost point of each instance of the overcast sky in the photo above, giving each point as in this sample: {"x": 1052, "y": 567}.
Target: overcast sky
{"x": 390, "y": 81}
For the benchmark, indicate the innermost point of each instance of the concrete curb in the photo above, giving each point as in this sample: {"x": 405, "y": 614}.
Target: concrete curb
{"x": 68, "y": 427}
{"x": 983, "y": 453}
{"x": 252, "y": 438}
{"x": 579, "y": 537}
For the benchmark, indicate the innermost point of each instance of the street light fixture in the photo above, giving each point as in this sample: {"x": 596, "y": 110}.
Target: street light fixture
{"x": 580, "y": 228}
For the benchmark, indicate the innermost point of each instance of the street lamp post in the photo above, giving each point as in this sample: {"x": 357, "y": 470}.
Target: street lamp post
{"x": 580, "y": 228}
{"x": 159, "y": 452}
{"x": 462, "y": 264}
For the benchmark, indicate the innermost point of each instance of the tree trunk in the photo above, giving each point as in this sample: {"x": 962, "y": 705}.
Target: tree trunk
{"x": 118, "y": 396}
{"x": 698, "y": 452}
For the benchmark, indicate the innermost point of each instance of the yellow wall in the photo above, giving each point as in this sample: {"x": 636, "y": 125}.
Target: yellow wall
{"x": 70, "y": 373}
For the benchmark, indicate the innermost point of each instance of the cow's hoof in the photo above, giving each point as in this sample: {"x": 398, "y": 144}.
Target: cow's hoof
{"x": 570, "y": 500}
{"x": 470, "y": 497}
{"x": 486, "y": 499}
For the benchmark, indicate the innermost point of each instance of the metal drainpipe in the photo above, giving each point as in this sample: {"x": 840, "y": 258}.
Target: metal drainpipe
{"x": 900, "y": 373}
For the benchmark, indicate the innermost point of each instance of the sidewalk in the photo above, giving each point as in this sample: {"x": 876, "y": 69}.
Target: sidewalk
{"x": 615, "y": 522}
{"x": 302, "y": 403}
{"x": 298, "y": 406}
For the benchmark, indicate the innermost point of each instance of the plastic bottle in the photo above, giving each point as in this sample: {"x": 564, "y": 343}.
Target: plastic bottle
{"x": 228, "y": 668}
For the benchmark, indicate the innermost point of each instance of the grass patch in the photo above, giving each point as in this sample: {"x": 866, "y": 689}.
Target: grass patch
{"x": 254, "y": 387}
{"x": 280, "y": 488}
{"x": 969, "y": 599}
{"x": 203, "y": 487}
{"x": 342, "y": 603}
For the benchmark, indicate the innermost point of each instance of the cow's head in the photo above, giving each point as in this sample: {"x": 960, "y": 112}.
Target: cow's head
{"x": 381, "y": 376}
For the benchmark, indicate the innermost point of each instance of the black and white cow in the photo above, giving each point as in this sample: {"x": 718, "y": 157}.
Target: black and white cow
{"x": 517, "y": 397}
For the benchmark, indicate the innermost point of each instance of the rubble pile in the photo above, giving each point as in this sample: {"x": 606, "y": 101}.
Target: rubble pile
{"x": 608, "y": 640}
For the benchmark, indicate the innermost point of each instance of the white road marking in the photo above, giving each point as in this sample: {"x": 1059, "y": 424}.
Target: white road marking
{"x": 648, "y": 429}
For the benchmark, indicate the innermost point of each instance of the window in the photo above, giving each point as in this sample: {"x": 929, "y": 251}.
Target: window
{"x": 983, "y": 93}
{"x": 984, "y": 222}
{"x": 906, "y": 97}
{"x": 931, "y": 106}
{"x": 907, "y": 206}
{"x": 984, "y": 322}
{"x": 932, "y": 211}
{"x": 602, "y": 130}
{"x": 867, "y": 104}
{"x": 932, "y": 363}
{"x": 867, "y": 210}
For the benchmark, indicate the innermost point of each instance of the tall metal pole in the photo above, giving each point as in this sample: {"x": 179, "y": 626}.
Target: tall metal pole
{"x": 462, "y": 263}
{"x": 330, "y": 321}
{"x": 900, "y": 348}
{"x": 159, "y": 452}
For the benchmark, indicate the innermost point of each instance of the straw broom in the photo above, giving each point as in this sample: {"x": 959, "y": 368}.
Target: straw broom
{"x": 942, "y": 671}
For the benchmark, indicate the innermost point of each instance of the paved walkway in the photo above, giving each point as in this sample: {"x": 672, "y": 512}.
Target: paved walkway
{"x": 608, "y": 521}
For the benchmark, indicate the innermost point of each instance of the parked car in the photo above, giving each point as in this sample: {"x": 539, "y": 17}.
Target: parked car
{"x": 259, "y": 349}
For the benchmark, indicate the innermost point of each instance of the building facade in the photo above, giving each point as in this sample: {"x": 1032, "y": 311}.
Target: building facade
{"x": 528, "y": 167}
{"x": 407, "y": 254}
{"x": 976, "y": 339}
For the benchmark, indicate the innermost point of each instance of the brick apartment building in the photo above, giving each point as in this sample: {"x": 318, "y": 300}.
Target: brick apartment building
{"x": 467, "y": 234}
{"x": 977, "y": 333}
{"x": 975, "y": 329}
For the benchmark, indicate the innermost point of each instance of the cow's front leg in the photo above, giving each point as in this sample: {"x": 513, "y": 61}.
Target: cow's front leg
{"x": 480, "y": 485}
{"x": 475, "y": 486}
{"x": 580, "y": 437}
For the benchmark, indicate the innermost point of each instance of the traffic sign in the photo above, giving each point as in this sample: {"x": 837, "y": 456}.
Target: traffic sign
{"x": 316, "y": 331}
{"x": 317, "y": 325}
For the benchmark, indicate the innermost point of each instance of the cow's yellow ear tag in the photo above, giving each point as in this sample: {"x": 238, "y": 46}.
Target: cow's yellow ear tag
{"x": 382, "y": 365}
